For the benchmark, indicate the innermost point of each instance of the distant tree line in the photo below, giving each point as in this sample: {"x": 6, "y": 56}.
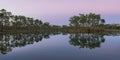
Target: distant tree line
{"x": 86, "y": 20}
{"x": 112, "y": 26}
{"x": 90, "y": 23}
{"x": 10, "y": 22}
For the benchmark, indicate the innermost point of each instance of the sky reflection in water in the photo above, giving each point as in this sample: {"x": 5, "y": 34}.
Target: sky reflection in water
{"x": 59, "y": 47}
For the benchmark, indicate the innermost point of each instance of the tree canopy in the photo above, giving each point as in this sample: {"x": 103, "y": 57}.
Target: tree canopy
{"x": 10, "y": 22}
{"x": 86, "y": 20}
{"x": 7, "y": 19}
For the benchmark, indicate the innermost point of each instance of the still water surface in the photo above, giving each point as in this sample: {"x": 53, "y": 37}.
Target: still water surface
{"x": 57, "y": 46}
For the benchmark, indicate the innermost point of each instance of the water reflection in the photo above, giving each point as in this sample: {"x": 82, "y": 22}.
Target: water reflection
{"x": 10, "y": 41}
{"x": 82, "y": 40}
{"x": 87, "y": 40}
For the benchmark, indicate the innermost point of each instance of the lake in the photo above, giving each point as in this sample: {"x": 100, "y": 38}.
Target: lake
{"x": 60, "y": 46}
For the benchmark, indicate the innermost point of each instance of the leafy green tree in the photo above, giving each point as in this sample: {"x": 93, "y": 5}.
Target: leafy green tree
{"x": 86, "y": 20}
{"x": 102, "y": 21}
{"x": 74, "y": 21}
{"x": 46, "y": 25}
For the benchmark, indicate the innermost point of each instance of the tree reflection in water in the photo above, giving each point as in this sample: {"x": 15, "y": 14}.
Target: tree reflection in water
{"x": 10, "y": 41}
{"x": 83, "y": 40}
{"x": 87, "y": 40}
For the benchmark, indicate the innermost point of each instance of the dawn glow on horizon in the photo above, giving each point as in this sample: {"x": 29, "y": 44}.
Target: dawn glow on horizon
{"x": 50, "y": 8}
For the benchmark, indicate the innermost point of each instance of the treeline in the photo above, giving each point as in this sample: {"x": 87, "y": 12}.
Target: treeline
{"x": 86, "y": 20}
{"x": 112, "y": 26}
{"x": 82, "y": 22}
{"x": 9, "y": 21}
{"x": 90, "y": 23}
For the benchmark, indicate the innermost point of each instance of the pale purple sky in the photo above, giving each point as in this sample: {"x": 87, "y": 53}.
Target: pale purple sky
{"x": 59, "y": 11}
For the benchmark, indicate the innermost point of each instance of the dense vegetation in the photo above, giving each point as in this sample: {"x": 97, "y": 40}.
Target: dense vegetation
{"x": 86, "y": 20}
{"x": 81, "y": 23}
{"x": 9, "y": 22}
{"x": 91, "y": 20}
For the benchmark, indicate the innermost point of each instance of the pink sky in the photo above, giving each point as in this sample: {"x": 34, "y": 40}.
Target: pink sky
{"x": 50, "y": 8}
{"x": 60, "y": 6}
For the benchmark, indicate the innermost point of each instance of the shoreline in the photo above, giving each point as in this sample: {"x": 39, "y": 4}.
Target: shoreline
{"x": 85, "y": 30}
